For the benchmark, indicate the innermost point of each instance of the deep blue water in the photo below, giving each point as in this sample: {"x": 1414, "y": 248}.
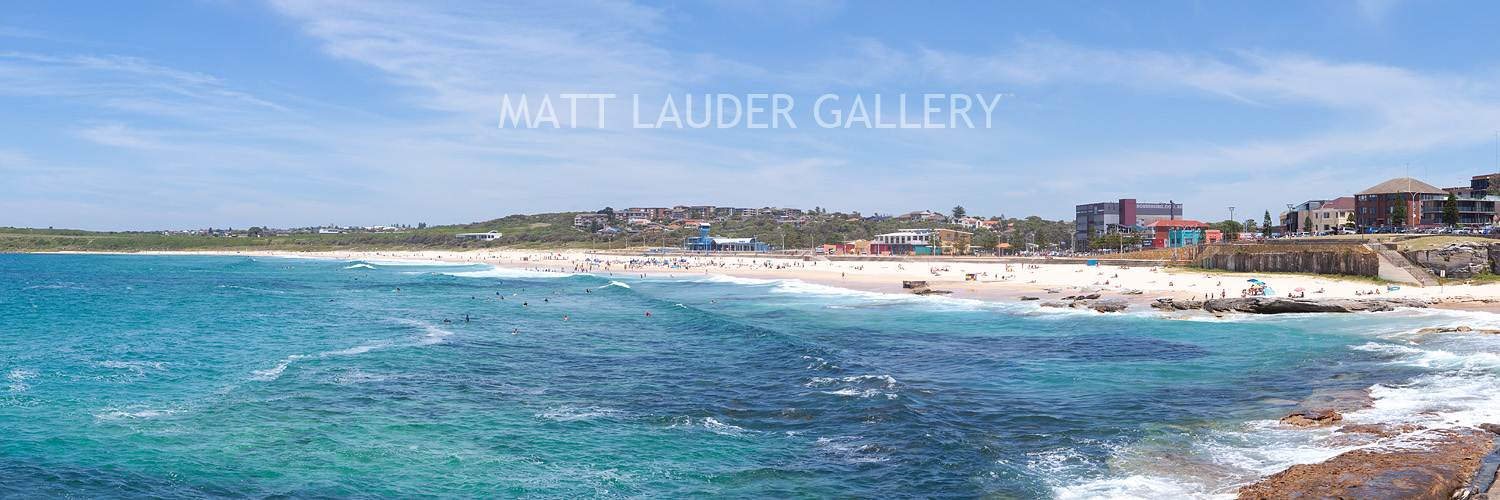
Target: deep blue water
{"x": 233, "y": 377}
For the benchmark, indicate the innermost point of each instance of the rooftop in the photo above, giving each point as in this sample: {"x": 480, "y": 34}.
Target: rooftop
{"x": 1402, "y": 185}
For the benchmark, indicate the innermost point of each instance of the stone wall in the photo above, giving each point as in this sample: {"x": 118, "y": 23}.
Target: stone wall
{"x": 1351, "y": 260}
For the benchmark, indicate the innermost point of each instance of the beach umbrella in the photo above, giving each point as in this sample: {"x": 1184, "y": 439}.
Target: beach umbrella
{"x": 1298, "y": 289}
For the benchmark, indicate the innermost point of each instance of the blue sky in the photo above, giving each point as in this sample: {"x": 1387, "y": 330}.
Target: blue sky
{"x": 156, "y": 115}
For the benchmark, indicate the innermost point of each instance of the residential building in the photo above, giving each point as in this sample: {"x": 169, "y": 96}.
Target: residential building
{"x": 1475, "y": 206}
{"x": 641, "y": 213}
{"x": 585, "y": 220}
{"x": 1325, "y": 215}
{"x": 923, "y": 215}
{"x": 1123, "y": 216}
{"x": 1374, "y": 207}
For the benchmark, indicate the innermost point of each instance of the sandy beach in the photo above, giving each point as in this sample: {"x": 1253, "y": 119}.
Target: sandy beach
{"x": 980, "y": 280}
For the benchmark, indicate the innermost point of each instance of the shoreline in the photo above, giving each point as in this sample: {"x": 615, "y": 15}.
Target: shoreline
{"x": 992, "y": 281}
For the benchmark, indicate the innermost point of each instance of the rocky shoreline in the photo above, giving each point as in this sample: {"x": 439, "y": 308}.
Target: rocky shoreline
{"x": 1433, "y": 465}
{"x": 1410, "y": 460}
{"x": 1247, "y": 305}
{"x": 1281, "y": 305}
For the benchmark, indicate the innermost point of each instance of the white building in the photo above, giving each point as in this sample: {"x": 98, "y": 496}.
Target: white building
{"x": 490, "y": 236}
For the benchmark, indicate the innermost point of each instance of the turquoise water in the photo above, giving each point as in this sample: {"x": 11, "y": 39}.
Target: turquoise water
{"x": 233, "y": 377}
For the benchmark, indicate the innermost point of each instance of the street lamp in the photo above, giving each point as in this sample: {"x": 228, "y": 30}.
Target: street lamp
{"x": 1231, "y": 213}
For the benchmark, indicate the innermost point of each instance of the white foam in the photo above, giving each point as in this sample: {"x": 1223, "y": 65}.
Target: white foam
{"x": 355, "y": 350}
{"x": 710, "y": 424}
{"x": 615, "y": 283}
{"x": 133, "y": 365}
{"x": 120, "y": 414}
{"x": 416, "y": 262}
{"x": 17, "y": 379}
{"x": 507, "y": 272}
{"x": 723, "y": 278}
{"x": 569, "y": 413}
{"x": 862, "y": 386}
{"x": 364, "y": 265}
{"x": 1136, "y": 487}
{"x": 274, "y": 373}
{"x": 1435, "y": 358}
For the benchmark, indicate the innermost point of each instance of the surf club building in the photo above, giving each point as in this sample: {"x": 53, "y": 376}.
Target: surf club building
{"x": 922, "y": 242}
{"x": 705, "y": 243}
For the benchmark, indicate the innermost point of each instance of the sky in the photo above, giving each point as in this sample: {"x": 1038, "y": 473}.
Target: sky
{"x": 281, "y": 113}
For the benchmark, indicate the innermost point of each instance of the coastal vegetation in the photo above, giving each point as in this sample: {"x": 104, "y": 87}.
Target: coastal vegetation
{"x": 554, "y": 230}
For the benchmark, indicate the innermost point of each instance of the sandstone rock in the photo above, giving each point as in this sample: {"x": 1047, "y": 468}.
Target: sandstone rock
{"x": 1382, "y": 430}
{"x": 930, "y": 291}
{"x": 1452, "y": 329}
{"x": 1280, "y": 305}
{"x": 1130, "y": 291}
{"x": 1169, "y": 304}
{"x": 1445, "y": 462}
{"x": 1108, "y": 306}
{"x": 1311, "y": 418}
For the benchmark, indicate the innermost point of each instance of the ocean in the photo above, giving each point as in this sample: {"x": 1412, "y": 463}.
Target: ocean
{"x": 236, "y": 377}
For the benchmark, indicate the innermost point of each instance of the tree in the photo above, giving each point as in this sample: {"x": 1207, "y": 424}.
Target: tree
{"x": 254, "y": 231}
{"x": 1494, "y": 187}
{"x": 989, "y": 241}
{"x": 608, "y": 212}
{"x": 1265, "y": 224}
{"x": 959, "y": 213}
{"x": 1250, "y": 226}
{"x": 1450, "y": 210}
{"x": 1307, "y": 223}
{"x": 1398, "y": 213}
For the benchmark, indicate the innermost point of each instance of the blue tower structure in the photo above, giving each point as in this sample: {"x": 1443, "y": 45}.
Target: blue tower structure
{"x": 705, "y": 243}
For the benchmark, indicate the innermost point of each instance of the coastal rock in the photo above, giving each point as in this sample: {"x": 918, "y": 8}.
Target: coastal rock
{"x": 1444, "y": 462}
{"x": 930, "y": 291}
{"x": 1024, "y": 298}
{"x": 1169, "y": 304}
{"x": 1452, "y": 329}
{"x": 1381, "y": 430}
{"x": 1099, "y": 305}
{"x": 1458, "y": 260}
{"x": 1131, "y": 291}
{"x": 1311, "y": 418}
{"x": 1091, "y": 296}
{"x": 1109, "y": 306}
{"x": 1280, "y": 305}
